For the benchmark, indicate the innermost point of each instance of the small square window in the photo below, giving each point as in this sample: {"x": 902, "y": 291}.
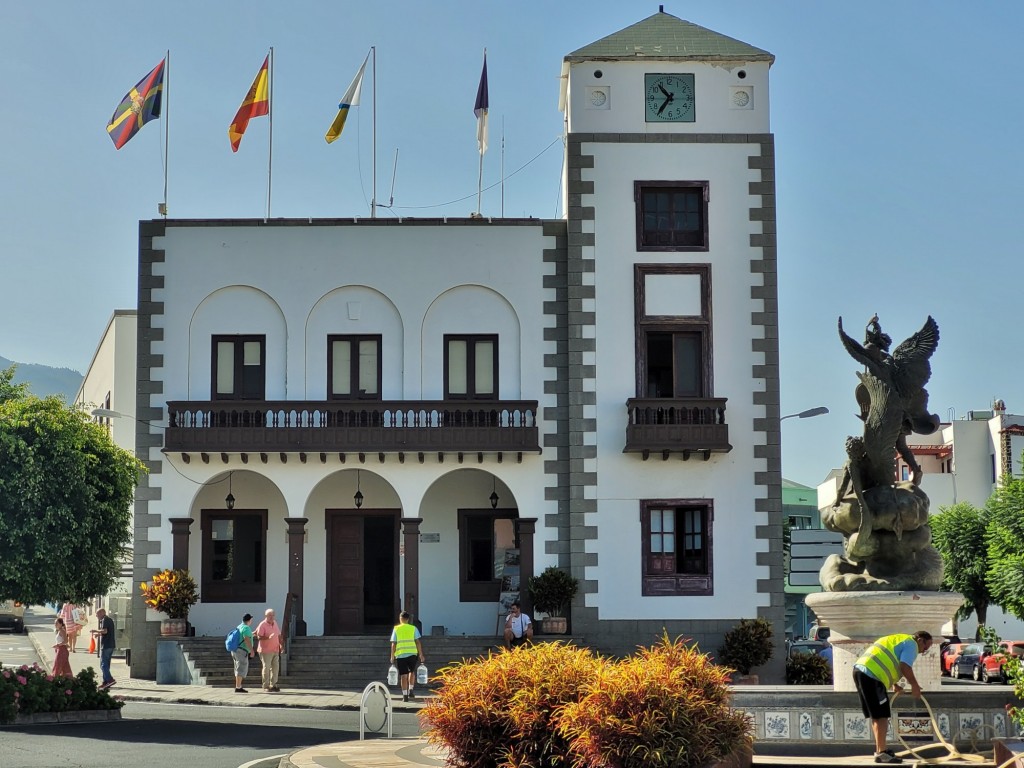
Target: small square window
{"x": 676, "y": 547}
{"x": 671, "y": 215}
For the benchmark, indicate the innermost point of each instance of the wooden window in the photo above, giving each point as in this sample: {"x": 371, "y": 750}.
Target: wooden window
{"x": 673, "y": 341}
{"x": 677, "y": 538}
{"x": 239, "y": 368}
{"x": 471, "y": 367}
{"x": 234, "y": 555}
{"x": 671, "y": 215}
{"x": 484, "y": 535}
{"x": 353, "y": 368}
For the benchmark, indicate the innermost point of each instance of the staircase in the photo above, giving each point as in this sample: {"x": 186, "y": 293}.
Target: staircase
{"x": 346, "y": 662}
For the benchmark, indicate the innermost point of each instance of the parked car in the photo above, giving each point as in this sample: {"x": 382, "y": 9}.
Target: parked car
{"x": 948, "y": 656}
{"x": 968, "y": 663}
{"x": 12, "y": 615}
{"x": 993, "y": 665}
{"x": 806, "y": 647}
{"x": 818, "y": 632}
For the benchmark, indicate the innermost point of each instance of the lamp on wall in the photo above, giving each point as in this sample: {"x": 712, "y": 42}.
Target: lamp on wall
{"x": 358, "y": 497}
{"x": 494, "y": 492}
{"x": 229, "y": 500}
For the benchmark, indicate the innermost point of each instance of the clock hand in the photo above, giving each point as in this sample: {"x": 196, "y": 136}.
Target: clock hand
{"x": 662, "y": 88}
{"x": 667, "y": 102}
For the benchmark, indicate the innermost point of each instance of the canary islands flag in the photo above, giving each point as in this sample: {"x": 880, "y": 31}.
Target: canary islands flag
{"x": 255, "y": 104}
{"x": 350, "y": 99}
{"x": 140, "y": 105}
{"x": 481, "y": 108}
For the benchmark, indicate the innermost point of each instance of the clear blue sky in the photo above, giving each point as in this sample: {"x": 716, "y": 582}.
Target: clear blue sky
{"x": 897, "y": 127}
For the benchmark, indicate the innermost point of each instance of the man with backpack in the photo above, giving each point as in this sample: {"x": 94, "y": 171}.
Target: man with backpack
{"x": 240, "y": 643}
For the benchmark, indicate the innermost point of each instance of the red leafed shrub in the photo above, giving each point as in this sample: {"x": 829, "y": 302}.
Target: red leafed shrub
{"x": 502, "y": 710}
{"x": 665, "y": 707}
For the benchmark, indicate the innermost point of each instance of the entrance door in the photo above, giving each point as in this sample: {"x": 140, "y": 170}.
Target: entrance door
{"x": 362, "y": 571}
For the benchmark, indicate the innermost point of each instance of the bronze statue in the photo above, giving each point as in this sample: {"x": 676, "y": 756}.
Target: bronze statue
{"x": 885, "y": 523}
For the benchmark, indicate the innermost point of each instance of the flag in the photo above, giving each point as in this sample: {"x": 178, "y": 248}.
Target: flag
{"x": 350, "y": 99}
{"x": 480, "y": 109}
{"x": 140, "y": 105}
{"x": 255, "y": 104}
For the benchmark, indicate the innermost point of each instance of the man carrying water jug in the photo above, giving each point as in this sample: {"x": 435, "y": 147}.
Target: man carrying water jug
{"x": 406, "y": 653}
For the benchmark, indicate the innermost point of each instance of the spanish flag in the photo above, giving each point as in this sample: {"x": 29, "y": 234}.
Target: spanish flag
{"x": 255, "y": 104}
{"x": 350, "y": 99}
{"x": 140, "y": 105}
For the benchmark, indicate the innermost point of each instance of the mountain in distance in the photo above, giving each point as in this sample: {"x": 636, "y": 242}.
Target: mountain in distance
{"x": 44, "y": 380}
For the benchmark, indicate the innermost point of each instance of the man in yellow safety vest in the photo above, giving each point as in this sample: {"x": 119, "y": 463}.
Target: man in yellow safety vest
{"x": 406, "y": 652}
{"x": 878, "y": 669}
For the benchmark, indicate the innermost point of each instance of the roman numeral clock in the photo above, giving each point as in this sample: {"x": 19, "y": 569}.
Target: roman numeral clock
{"x": 669, "y": 98}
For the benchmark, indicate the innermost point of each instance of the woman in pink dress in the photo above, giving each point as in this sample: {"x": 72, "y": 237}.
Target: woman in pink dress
{"x": 61, "y": 662}
{"x": 71, "y": 615}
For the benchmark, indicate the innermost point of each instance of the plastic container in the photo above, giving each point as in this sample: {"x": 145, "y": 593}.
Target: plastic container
{"x": 421, "y": 674}
{"x": 392, "y": 675}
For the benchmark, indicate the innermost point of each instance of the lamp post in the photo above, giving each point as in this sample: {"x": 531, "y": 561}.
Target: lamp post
{"x": 820, "y": 410}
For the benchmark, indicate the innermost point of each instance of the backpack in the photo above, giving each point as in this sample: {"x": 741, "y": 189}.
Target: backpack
{"x": 233, "y": 640}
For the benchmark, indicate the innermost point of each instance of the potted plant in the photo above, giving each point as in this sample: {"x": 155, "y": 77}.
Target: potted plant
{"x": 551, "y": 593}
{"x": 171, "y": 592}
{"x": 747, "y": 645}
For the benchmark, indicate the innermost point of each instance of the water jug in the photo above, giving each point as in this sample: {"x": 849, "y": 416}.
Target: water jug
{"x": 421, "y": 674}
{"x": 392, "y": 675}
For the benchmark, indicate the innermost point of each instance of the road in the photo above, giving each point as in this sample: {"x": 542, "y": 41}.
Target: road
{"x": 182, "y": 736}
{"x": 15, "y": 650}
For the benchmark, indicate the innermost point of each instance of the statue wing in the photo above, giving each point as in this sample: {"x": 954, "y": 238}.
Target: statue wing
{"x": 911, "y": 357}
{"x": 854, "y": 348}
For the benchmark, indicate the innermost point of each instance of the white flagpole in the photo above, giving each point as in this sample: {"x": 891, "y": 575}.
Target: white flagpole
{"x": 373, "y": 198}
{"x": 270, "y": 114}
{"x": 503, "y": 166}
{"x": 167, "y": 123}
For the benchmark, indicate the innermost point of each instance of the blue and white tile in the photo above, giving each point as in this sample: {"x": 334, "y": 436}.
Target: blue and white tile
{"x": 806, "y": 725}
{"x": 828, "y": 726}
{"x": 776, "y": 725}
{"x": 855, "y": 726}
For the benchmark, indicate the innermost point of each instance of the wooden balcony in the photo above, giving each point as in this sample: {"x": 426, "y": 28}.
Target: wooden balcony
{"x": 290, "y": 426}
{"x": 676, "y": 425}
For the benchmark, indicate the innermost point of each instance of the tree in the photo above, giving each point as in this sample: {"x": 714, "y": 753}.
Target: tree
{"x": 1006, "y": 546}
{"x": 65, "y": 500}
{"x": 959, "y": 533}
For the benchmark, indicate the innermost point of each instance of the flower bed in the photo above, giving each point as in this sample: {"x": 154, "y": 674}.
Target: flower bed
{"x": 31, "y": 690}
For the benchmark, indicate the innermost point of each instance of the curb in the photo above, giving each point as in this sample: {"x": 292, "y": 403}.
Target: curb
{"x": 74, "y": 716}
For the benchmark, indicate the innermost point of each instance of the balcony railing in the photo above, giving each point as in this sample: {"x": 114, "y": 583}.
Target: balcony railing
{"x": 676, "y": 425}
{"x": 352, "y": 426}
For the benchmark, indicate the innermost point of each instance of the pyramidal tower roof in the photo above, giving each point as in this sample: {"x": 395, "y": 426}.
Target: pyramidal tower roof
{"x": 664, "y": 36}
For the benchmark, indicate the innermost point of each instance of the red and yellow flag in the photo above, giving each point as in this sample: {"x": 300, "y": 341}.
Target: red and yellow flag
{"x": 255, "y": 104}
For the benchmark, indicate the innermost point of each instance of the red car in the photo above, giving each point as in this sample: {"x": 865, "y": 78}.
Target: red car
{"x": 993, "y": 665}
{"x": 948, "y": 656}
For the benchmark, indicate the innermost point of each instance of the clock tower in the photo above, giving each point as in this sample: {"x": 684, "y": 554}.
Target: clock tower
{"x": 673, "y": 516}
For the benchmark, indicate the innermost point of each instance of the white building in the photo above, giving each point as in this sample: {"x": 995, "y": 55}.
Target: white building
{"x": 391, "y": 404}
{"x": 963, "y": 461}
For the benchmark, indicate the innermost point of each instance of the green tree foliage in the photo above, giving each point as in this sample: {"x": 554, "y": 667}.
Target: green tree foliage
{"x": 65, "y": 500}
{"x": 959, "y": 533}
{"x": 1006, "y": 546}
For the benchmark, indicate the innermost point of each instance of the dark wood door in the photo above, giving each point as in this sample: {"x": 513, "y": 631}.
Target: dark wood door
{"x": 345, "y": 574}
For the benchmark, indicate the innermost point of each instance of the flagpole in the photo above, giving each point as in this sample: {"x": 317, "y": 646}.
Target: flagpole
{"x": 270, "y": 148}
{"x": 373, "y": 198}
{"x": 167, "y": 124}
{"x": 503, "y": 166}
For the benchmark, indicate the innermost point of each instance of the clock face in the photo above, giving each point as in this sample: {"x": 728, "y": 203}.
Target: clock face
{"x": 669, "y": 98}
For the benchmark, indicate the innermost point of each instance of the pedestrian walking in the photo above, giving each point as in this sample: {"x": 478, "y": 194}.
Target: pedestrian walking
{"x": 106, "y": 642}
{"x": 270, "y": 647}
{"x": 245, "y": 651}
{"x": 878, "y": 669}
{"x": 406, "y": 653}
{"x": 74, "y": 618}
{"x": 61, "y": 664}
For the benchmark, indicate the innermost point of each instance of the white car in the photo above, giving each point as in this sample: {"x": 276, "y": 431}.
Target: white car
{"x": 12, "y": 614}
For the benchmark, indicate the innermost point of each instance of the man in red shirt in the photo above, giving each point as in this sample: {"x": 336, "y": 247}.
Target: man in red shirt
{"x": 268, "y": 633}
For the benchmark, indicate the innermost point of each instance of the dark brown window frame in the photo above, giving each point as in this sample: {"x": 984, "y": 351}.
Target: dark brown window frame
{"x": 639, "y": 187}
{"x": 238, "y": 339}
{"x": 470, "y": 338}
{"x": 480, "y": 591}
{"x": 354, "y": 339}
{"x": 679, "y": 584}
{"x": 230, "y": 592}
{"x": 644, "y": 323}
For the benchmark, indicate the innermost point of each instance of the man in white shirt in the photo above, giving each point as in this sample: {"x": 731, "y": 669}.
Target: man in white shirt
{"x": 518, "y": 627}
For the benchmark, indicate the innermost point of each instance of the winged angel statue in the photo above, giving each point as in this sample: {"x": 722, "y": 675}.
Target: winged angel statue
{"x": 887, "y": 541}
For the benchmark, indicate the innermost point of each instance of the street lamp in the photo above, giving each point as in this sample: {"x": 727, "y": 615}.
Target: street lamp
{"x": 809, "y": 413}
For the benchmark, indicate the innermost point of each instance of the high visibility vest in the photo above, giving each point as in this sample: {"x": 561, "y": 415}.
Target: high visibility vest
{"x": 880, "y": 659}
{"x": 405, "y": 642}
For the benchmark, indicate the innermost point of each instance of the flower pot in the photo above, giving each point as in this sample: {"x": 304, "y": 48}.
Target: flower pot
{"x": 172, "y": 627}
{"x": 554, "y": 625}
